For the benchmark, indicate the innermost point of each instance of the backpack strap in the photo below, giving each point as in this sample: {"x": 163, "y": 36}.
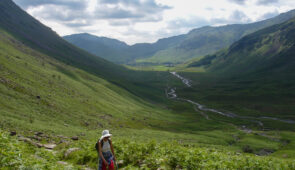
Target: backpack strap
{"x": 97, "y": 144}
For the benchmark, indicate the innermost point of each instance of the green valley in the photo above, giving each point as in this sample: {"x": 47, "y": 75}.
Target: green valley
{"x": 257, "y": 68}
{"x": 207, "y": 113}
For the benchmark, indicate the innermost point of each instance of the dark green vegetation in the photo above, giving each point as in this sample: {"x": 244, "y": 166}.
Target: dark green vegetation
{"x": 47, "y": 85}
{"x": 172, "y": 50}
{"x": 254, "y": 76}
{"x": 147, "y": 155}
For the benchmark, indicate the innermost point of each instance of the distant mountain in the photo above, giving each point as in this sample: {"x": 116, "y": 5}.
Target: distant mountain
{"x": 118, "y": 51}
{"x": 208, "y": 40}
{"x": 197, "y": 43}
{"x": 100, "y": 46}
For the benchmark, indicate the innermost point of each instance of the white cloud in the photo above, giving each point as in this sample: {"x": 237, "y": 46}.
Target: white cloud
{"x": 136, "y": 21}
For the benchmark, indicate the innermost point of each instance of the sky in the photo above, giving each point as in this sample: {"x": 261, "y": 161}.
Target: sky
{"x": 138, "y": 21}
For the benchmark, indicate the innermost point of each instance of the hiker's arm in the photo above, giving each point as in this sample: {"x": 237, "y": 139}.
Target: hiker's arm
{"x": 100, "y": 153}
{"x": 112, "y": 148}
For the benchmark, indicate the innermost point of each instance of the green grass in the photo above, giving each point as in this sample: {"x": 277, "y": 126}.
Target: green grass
{"x": 18, "y": 155}
{"x": 287, "y": 151}
{"x": 67, "y": 95}
{"x": 74, "y": 102}
{"x": 39, "y": 91}
{"x": 164, "y": 68}
{"x": 135, "y": 155}
{"x": 150, "y": 68}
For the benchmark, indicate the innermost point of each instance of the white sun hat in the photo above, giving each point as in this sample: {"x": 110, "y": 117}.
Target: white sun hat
{"x": 105, "y": 133}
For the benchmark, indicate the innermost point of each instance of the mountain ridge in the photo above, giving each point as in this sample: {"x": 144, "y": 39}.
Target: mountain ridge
{"x": 196, "y": 43}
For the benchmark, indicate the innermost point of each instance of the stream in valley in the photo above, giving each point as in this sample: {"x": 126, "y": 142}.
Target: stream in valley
{"x": 171, "y": 94}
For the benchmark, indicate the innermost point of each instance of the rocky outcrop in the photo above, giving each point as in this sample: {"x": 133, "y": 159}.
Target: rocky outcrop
{"x": 12, "y": 133}
{"x": 75, "y": 138}
{"x": 49, "y": 146}
{"x": 28, "y": 140}
{"x": 69, "y": 151}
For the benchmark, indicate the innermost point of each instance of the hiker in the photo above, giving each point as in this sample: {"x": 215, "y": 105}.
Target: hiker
{"x": 105, "y": 150}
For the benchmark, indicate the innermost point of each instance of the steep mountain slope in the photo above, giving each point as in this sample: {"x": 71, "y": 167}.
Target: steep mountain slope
{"x": 254, "y": 76}
{"x": 37, "y": 36}
{"x": 196, "y": 43}
{"x": 41, "y": 93}
{"x": 48, "y": 84}
{"x": 45, "y": 86}
{"x": 41, "y": 38}
{"x": 270, "y": 50}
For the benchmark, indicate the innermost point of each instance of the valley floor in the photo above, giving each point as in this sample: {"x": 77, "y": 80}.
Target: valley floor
{"x": 46, "y": 103}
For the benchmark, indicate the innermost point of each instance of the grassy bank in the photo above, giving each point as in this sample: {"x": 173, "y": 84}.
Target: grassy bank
{"x": 132, "y": 155}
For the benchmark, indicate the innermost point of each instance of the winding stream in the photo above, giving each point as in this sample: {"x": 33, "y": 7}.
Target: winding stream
{"x": 171, "y": 94}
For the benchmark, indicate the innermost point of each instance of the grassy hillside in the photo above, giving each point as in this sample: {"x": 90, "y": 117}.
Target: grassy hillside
{"x": 254, "y": 77}
{"x": 269, "y": 50}
{"x": 266, "y": 52}
{"x": 41, "y": 94}
{"x": 51, "y": 91}
{"x": 32, "y": 33}
{"x": 40, "y": 91}
{"x": 39, "y": 37}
